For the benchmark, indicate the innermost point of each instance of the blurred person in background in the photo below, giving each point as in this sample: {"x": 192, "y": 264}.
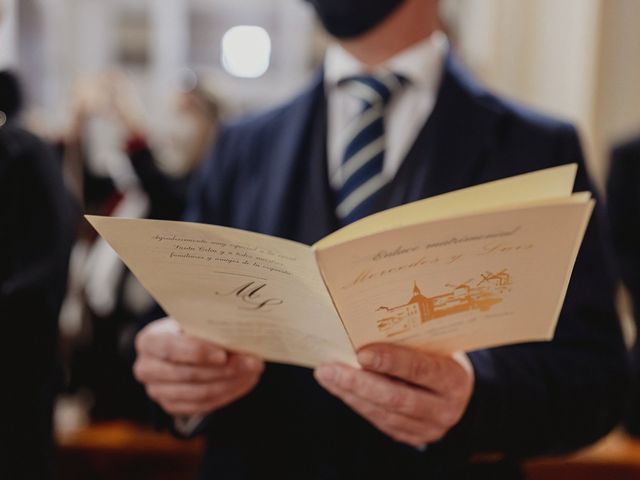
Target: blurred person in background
{"x": 95, "y": 319}
{"x": 421, "y": 126}
{"x": 108, "y": 125}
{"x": 122, "y": 171}
{"x": 623, "y": 205}
{"x": 38, "y": 219}
{"x": 195, "y": 124}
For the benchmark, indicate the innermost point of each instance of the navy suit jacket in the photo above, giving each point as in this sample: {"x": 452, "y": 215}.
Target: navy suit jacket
{"x": 623, "y": 205}
{"x": 268, "y": 174}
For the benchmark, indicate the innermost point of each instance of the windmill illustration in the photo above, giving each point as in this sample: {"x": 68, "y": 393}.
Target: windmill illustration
{"x": 460, "y": 297}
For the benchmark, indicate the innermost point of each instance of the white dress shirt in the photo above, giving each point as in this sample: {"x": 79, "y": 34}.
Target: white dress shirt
{"x": 422, "y": 65}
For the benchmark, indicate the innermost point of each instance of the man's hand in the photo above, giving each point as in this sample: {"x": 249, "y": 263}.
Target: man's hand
{"x": 414, "y": 397}
{"x": 188, "y": 376}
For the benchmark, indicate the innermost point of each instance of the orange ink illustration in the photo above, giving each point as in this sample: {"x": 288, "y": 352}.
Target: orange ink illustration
{"x": 488, "y": 291}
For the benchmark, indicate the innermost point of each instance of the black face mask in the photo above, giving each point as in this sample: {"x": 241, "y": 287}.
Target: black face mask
{"x": 351, "y": 18}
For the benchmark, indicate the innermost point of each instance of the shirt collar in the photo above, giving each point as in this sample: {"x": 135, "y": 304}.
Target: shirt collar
{"x": 421, "y": 64}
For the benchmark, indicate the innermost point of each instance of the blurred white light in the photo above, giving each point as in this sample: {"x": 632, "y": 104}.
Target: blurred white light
{"x": 246, "y": 51}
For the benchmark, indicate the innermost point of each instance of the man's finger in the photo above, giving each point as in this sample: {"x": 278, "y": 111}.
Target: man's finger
{"x": 148, "y": 369}
{"x": 203, "y": 408}
{"x": 388, "y": 394}
{"x": 198, "y": 393}
{"x": 399, "y": 427}
{"x": 435, "y": 372}
{"x": 179, "y": 348}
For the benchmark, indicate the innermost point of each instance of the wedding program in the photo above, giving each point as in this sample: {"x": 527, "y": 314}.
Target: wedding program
{"x": 480, "y": 267}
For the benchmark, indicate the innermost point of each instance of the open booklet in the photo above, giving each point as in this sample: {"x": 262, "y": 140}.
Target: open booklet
{"x": 484, "y": 266}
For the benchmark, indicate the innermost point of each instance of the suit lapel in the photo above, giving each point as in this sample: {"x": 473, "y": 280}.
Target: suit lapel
{"x": 449, "y": 151}
{"x": 288, "y": 163}
{"x": 315, "y": 203}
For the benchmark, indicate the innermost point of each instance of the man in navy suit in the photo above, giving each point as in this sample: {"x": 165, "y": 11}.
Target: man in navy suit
{"x": 406, "y": 414}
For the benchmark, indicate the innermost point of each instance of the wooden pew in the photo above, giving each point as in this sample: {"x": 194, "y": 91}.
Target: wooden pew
{"x": 616, "y": 457}
{"x": 126, "y": 451}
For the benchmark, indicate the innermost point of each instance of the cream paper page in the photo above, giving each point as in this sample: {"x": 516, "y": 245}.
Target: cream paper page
{"x": 541, "y": 185}
{"x": 245, "y": 291}
{"x": 459, "y": 284}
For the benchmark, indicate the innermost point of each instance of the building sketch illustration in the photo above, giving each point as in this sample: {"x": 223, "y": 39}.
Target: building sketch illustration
{"x": 474, "y": 294}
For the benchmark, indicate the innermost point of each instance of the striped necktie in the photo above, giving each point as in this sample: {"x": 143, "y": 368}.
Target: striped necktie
{"x": 361, "y": 172}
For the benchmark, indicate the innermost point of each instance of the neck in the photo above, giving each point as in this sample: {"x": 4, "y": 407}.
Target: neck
{"x": 412, "y": 22}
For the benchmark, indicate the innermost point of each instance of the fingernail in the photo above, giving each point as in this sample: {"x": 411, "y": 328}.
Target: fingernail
{"x": 251, "y": 363}
{"x": 369, "y": 359}
{"x": 326, "y": 374}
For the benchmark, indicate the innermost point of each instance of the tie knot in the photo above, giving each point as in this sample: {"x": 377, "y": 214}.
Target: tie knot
{"x": 374, "y": 89}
